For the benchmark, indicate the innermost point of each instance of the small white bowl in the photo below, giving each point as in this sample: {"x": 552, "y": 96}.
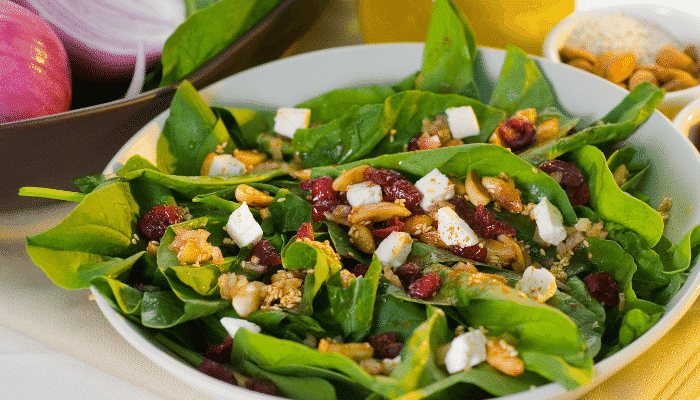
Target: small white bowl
{"x": 688, "y": 118}
{"x": 682, "y": 25}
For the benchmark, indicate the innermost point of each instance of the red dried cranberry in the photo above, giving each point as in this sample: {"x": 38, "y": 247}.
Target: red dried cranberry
{"x": 425, "y": 287}
{"x": 464, "y": 210}
{"x": 261, "y": 385}
{"x": 220, "y": 352}
{"x": 382, "y": 176}
{"x": 413, "y": 143}
{"x": 266, "y": 253}
{"x": 319, "y": 210}
{"x": 322, "y": 190}
{"x": 218, "y": 371}
{"x": 408, "y": 273}
{"x": 306, "y": 184}
{"x": 489, "y": 226}
{"x": 386, "y": 345}
{"x": 603, "y": 288}
{"x": 516, "y": 132}
{"x": 475, "y": 252}
{"x": 360, "y": 269}
{"x": 570, "y": 178}
{"x": 566, "y": 173}
{"x": 394, "y": 224}
{"x": 154, "y": 222}
{"x": 305, "y": 231}
{"x": 403, "y": 189}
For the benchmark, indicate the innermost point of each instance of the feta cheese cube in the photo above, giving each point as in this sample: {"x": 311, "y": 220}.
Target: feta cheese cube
{"x": 435, "y": 187}
{"x": 366, "y": 192}
{"x": 550, "y": 223}
{"x": 225, "y": 165}
{"x": 466, "y": 350}
{"x": 288, "y": 120}
{"x": 242, "y": 227}
{"x": 453, "y": 230}
{"x": 462, "y": 122}
{"x": 537, "y": 283}
{"x": 394, "y": 249}
{"x": 232, "y": 325}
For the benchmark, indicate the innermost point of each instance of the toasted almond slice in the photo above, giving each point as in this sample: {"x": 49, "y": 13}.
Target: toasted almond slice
{"x": 662, "y": 74}
{"x": 615, "y": 66}
{"x": 679, "y": 74}
{"x": 571, "y": 53}
{"x": 679, "y": 84}
{"x": 692, "y": 52}
{"x": 672, "y": 57}
{"x": 642, "y": 75}
{"x": 582, "y": 63}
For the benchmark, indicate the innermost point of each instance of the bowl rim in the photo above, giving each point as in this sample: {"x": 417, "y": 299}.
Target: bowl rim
{"x": 687, "y": 117}
{"x": 602, "y": 369}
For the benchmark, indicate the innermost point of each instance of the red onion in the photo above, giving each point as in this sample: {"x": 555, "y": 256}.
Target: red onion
{"x": 103, "y": 37}
{"x": 35, "y": 77}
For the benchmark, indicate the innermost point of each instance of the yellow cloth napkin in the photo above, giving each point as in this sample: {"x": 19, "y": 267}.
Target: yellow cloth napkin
{"x": 668, "y": 370}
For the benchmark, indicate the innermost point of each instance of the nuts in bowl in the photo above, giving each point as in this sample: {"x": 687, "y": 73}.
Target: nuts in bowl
{"x": 631, "y": 44}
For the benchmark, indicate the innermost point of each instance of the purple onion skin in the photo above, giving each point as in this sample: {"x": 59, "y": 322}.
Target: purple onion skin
{"x": 35, "y": 77}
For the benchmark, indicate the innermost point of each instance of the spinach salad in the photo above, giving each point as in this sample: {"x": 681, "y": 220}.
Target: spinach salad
{"x": 380, "y": 252}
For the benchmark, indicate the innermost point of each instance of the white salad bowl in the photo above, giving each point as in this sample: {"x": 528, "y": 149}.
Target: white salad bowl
{"x": 682, "y": 25}
{"x": 290, "y": 81}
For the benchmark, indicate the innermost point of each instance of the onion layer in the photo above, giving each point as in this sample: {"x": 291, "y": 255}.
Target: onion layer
{"x": 35, "y": 78}
{"x": 102, "y": 37}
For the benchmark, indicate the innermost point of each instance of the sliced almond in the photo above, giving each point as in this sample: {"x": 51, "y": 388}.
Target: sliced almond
{"x": 692, "y": 52}
{"x": 662, "y": 74}
{"x": 571, "y": 53}
{"x": 615, "y": 66}
{"x": 640, "y": 76}
{"x": 547, "y": 131}
{"x": 672, "y": 57}
{"x": 679, "y": 84}
{"x": 583, "y": 64}
{"x": 678, "y": 74}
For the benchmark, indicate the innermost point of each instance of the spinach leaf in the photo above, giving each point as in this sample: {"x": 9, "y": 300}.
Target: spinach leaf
{"x": 191, "y": 131}
{"x": 450, "y": 51}
{"x": 392, "y": 314}
{"x": 634, "y": 324}
{"x": 306, "y": 255}
{"x": 295, "y": 387}
{"x": 289, "y": 211}
{"x": 146, "y": 194}
{"x": 611, "y": 203}
{"x": 556, "y": 369}
{"x": 335, "y": 103}
{"x": 352, "y": 307}
{"x": 207, "y": 32}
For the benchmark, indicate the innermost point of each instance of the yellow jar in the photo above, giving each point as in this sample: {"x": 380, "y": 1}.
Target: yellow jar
{"x": 496, "y": 23}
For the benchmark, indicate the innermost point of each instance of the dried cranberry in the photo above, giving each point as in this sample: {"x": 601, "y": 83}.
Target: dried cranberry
{"x": 516, "y": 132}
{"x": 261, "y": 385}
{"x": 603, "y": 288}
{"x": 382, "y": 176}
{"x": 463, "y": 209}
{"x": 218, "y": 371}
{"x": 475, "y": 252}
{"x": 306, "y": 184}
{"x": 425, "y": 287}
{"x": 386, "y": 345}
{"x": 360, "y": 269}
{"x": 570, "y": 178}
{"x": 489, "y": 226}
{"x": 393, "y": 224}
{"x": 319, "y": 210}
{"x": 220, "y": 352}
{"x": 154, "y": 222}
{"x": 322, "y": 190}
{"x": 566, "y": 173}
{"x": 266, "y": 253}
{"x": 403, "y": 189}
{"x": 408, "y": 273}
{"x": 305, "y": 231}
{"x": 413, "y": 143}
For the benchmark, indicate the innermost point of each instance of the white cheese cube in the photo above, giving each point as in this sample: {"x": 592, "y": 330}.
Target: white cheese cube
{"x": 232, "y": 325}
{"x": 394, "y": 249}
{"x": 466, "y": 350}
{"x": 366, "y": 192}
{"x": 435, "y": 187}
{"x": 537, "y": 283}
{"x": 288, "y": 120}
{"x": 462, "y": 122}
{"x": 242, "y": 227}
{"x": 226, "y": 165}
{"x": 550, "y": 223}
{"x": 453, "y": 230}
